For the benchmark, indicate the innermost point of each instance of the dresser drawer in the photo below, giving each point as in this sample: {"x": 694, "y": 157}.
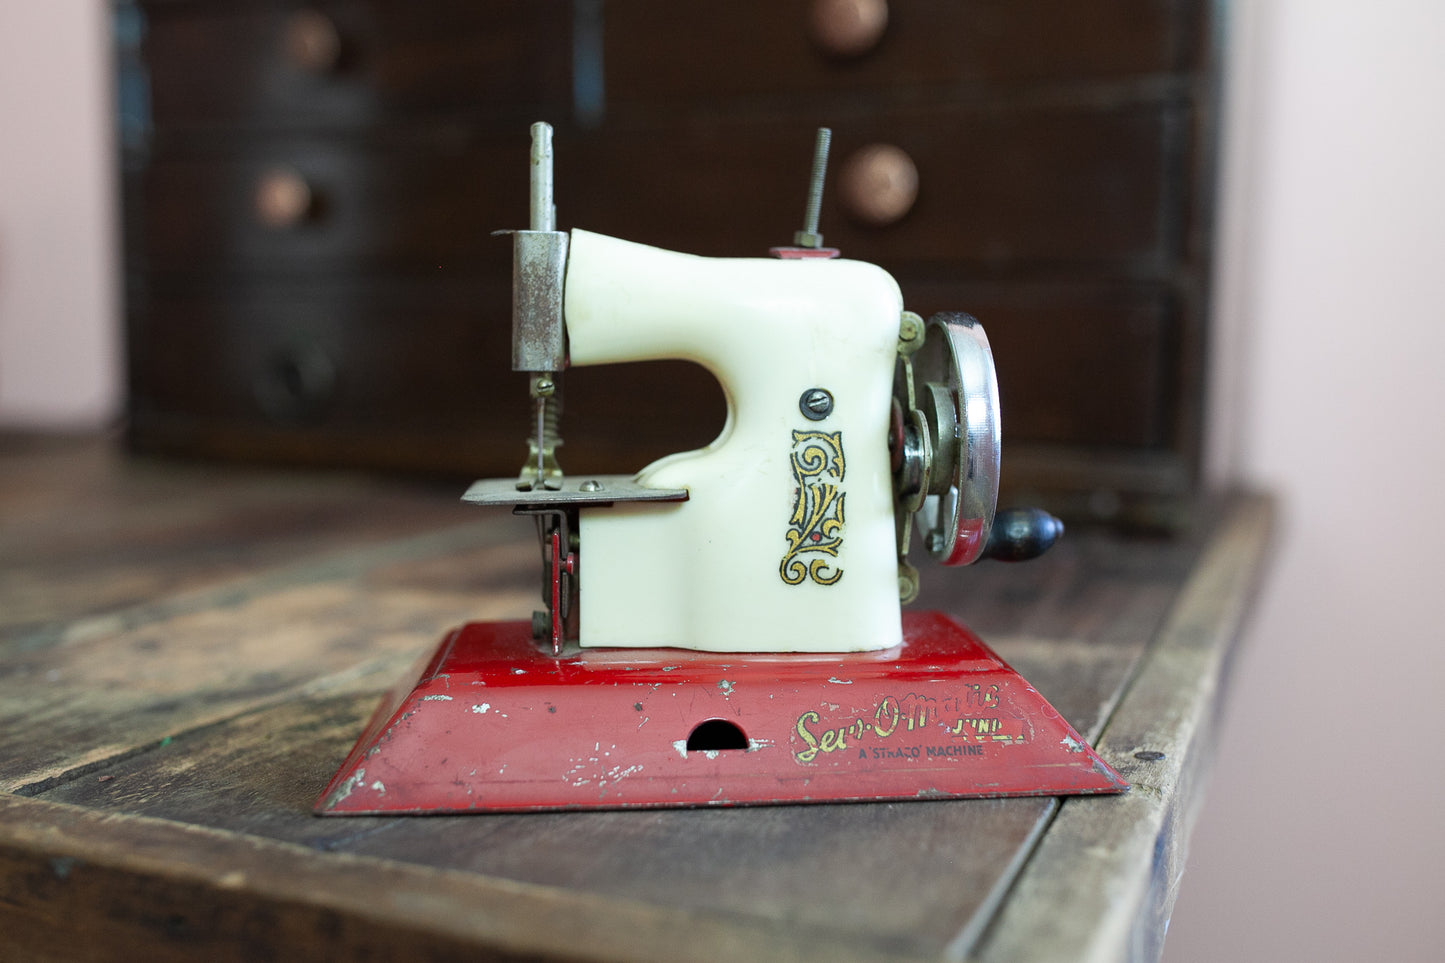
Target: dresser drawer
{"x": 315, "y": 353}
{"x": 764, "y": 49}
{"x": 411, "y": 206}
{"x": 997, "y": 189}
{"x": 1078, "y": 363}
{"x": 385, "y": 374}
{"x": 331, "y": 64}
{"x": 337, "y": 63}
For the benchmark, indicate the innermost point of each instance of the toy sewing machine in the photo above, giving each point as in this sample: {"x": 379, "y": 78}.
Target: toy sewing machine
{"x": 725, "y": 627}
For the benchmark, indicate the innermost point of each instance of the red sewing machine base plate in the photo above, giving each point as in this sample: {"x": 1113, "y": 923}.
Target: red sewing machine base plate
{"x": 491, "y": 723}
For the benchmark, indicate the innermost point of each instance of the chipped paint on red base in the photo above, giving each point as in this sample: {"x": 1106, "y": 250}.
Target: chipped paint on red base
{"x": 493, "y": 723}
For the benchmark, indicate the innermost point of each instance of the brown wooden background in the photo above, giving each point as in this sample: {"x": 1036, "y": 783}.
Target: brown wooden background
{"x": 1064, "y": 153}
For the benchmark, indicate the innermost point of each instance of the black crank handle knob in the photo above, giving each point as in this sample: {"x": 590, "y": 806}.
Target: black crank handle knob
{"x": 1019, "y": 534}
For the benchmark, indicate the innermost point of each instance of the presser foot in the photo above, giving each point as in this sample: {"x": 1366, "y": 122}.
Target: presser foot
{"x": 491, "y": 723}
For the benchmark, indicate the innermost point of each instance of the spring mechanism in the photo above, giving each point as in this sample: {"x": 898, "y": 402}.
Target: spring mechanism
{"x": 541, "y": 469}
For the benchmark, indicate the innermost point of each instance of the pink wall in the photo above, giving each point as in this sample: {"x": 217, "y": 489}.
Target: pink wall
{"x": 1322, "y": 838}
{"x": 59, "y": 323}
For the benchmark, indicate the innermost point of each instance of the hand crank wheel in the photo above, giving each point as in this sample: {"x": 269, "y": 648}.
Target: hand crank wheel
{"x": 957, "y": 394}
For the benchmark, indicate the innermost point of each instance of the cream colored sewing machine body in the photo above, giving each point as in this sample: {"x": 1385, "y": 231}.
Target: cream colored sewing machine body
{"x": 850, "y": 422}
{"x": 786, "y": 542}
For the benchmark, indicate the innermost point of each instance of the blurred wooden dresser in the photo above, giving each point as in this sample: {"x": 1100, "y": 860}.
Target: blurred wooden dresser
{"x": 310, "y": 191}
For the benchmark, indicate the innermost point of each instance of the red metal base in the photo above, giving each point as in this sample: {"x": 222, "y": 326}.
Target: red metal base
{"x": 493, "y": 723}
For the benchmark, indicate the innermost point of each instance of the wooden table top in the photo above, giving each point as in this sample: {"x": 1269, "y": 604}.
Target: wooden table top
{"x": 187, "y": 652}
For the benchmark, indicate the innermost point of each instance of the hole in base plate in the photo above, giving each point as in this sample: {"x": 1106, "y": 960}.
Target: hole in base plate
{"x": 715, "y": 735}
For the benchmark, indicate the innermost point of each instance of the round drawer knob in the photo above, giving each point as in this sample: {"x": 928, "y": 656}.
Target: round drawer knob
{"x": 295, "y": 383}
{"x": 283, "y": 198}
{"x": 847, "y": 28}
{"x": 878, "y": 184}
{"x": 311, "y": 42}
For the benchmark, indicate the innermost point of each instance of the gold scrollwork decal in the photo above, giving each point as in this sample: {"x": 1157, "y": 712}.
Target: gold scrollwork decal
{"x": 815, "y": 530}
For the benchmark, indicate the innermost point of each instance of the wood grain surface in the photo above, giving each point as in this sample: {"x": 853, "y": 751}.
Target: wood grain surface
{"x": 187, "y": 653}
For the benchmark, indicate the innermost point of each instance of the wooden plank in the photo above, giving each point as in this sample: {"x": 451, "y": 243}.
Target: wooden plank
{"x": 77, "y": 885}
{"x": 1074, "y": 622}
{"x": 221, "y": 705}
{"x": 84, "y": 533}
{"x": 857, "y": 867}
{"x": 258, "y": 773}
{"x": 140, "y": 600}
{"x": 126, "y": 682}
{"x": 908, "y": 875}
{"x": 1102, "y": 883}
{"x": 911, "y": 873}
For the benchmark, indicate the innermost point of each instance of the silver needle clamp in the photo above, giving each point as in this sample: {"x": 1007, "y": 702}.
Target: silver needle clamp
{"x": 539, "y": 338}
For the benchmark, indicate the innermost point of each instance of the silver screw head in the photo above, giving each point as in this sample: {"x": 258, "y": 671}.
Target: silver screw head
{"x": 816, "y": 404}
